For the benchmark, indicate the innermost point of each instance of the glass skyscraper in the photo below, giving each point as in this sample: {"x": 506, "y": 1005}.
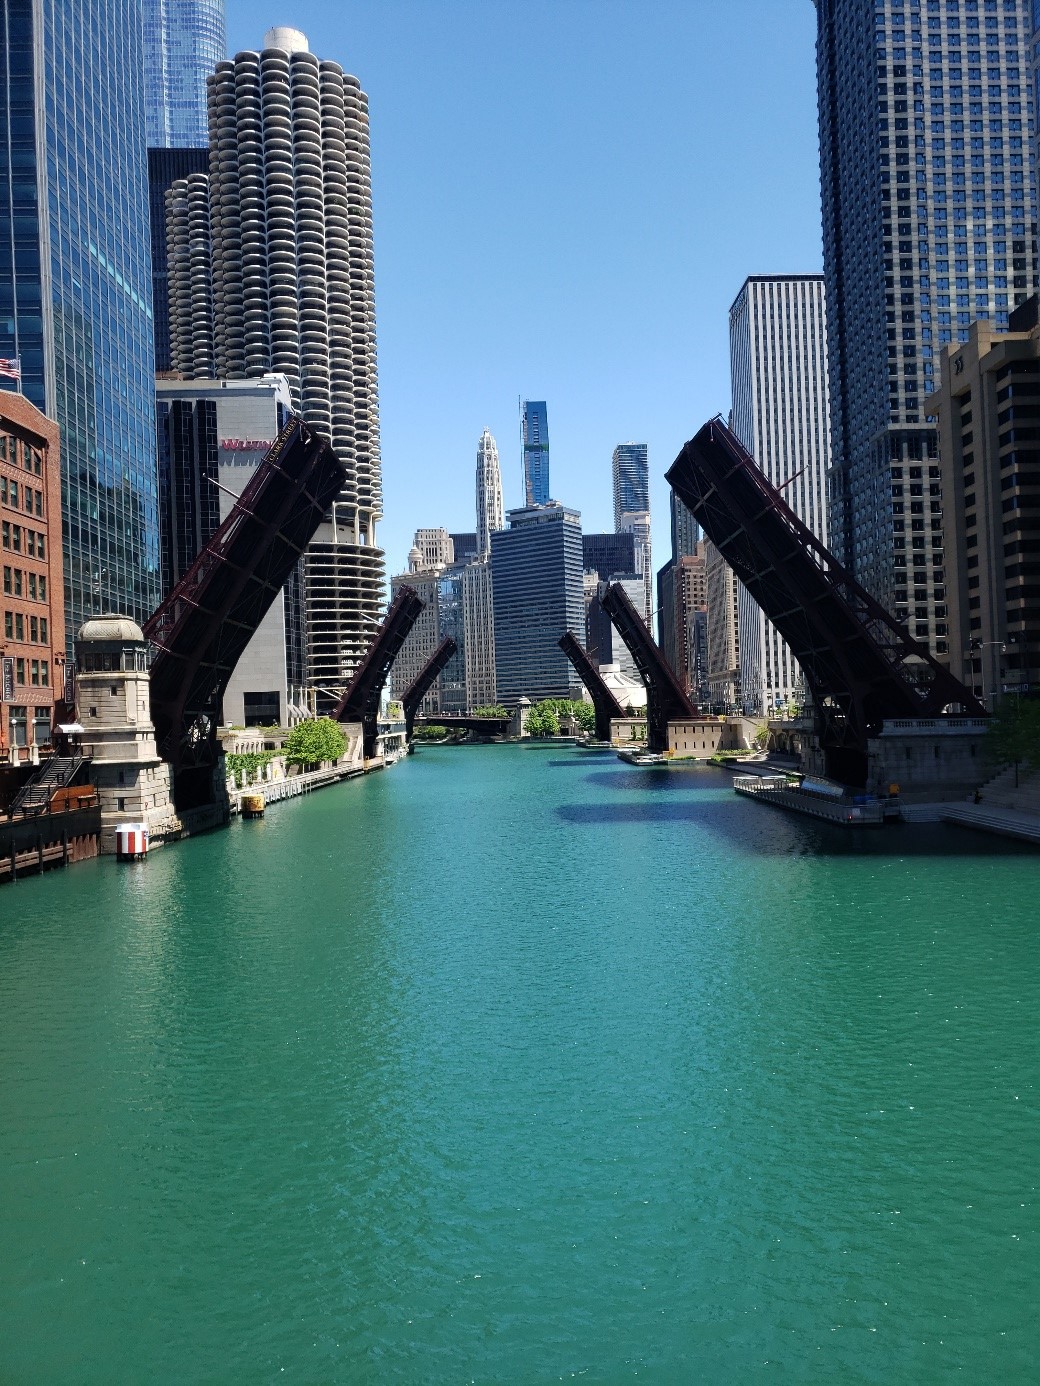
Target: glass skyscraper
{"x": 534, "y": 427}
{"x": 928, "y": 223}
{"x": 75, "y": 291}
{"x": 183, "y": 42}
{"x": 536, "y": 567}
{"x": 631, "y": 472}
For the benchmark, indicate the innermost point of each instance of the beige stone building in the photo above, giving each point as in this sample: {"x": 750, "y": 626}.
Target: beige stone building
{"x": 988, "y": 413}
{"x": 723, "y": 641}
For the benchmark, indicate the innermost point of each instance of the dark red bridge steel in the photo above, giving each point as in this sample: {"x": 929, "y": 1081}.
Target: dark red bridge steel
{"x": 360, "y": 701}
{"x": 606, "y": 705}
{"x": 425, "y": 679}
{"x": 862, "y": 667}
{"x": 202, "y": 628}
{"x": 666, "y": 700}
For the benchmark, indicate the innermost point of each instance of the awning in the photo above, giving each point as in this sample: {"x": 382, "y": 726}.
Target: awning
{"x": 70, "y": 728}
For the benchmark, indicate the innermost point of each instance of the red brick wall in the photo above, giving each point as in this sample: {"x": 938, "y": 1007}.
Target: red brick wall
{"x": 31, "y": 583}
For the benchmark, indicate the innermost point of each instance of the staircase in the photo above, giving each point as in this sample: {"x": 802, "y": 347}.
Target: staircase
{"x": 53, "y": 774}
{"x": 1006, "y": 822}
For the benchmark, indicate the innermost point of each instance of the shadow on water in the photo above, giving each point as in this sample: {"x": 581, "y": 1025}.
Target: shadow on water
{"x": 793, "y": 835}
{"x": 653, "y": 779}
{"x": 579, "y": 762}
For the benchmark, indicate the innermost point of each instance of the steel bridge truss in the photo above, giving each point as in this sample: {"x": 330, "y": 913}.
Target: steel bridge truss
{"x": 201, "y": 630}
{"x": 607, "y": 706}
{"x": 425, "y": 679}
{"x": 666, "y": 701}
{"x": 360, "y": 701}
{"x": 861, "y": 666}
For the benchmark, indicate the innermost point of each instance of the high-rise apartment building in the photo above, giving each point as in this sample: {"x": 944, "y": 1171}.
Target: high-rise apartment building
{"x": 478, "y": 625}
{"x": 608, "y": 555}
{"x": 637, "y": 523}
{"x": 631, "y": 475}
{"x": 778, "y": 371}
{"x": 281, "y": 233}
{"x": 75, "y": 291}
{"x": 682, "y": 604}
{"x": 490, "y": 510}
{"x": 212, "y": 435}
{"x": 183, "y": 42}
{"x": 464, "y": 544}
{"x": 986, "y": 407}
{"x": 534, "y": 432}
{"x": 722, "y": 632}
{"x": 436, "y": 547}
{"x": 685, "y": 531}
{"x": 537, "y": 573}
{"x": 929, "y": 215}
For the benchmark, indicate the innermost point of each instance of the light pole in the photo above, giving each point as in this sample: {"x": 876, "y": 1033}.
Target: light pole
{"x": 981, "y": 646}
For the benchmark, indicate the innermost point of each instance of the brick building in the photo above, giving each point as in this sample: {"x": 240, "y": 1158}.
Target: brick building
{"x": 32, "y": 598}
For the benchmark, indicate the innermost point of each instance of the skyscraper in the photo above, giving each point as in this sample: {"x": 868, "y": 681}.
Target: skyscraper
{"x": 536, "y": 570}
{"x": 282, "y": 234}
{"x": 778, "y": 368}
{"x": 928, "y": 222}
{"x": 637, "y": 523}
{"x": 686, "y": 532}
{"x": 534, "y": 428}
{"x": 631, "y": 473}
{"x": 490, "y": 510}
{"x": 75, "y": 293}
{"x": 183, "y": 42}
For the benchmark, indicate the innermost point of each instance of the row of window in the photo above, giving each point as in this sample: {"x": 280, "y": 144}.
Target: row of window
{"x": 18, "y": 539}
{"x": 25, "y": 497}
{"x": 19, "y": 725}
{"x": 19, "y": 454}
{"x": 21, "y": 628}
{"x": 34, "y": 672}
{"x": 21, "y": 584}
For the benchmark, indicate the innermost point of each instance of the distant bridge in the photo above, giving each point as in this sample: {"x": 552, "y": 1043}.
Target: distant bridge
{"x": 666, "y": 699}
{"x": 484, "y": 726}
{"x": 427, "y": 676}
{"x": 607, "y": 706}
{"x": 360, "y": 701}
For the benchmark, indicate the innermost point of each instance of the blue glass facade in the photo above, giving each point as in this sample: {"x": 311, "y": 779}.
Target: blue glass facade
{"x": 631, "y": 472}
{"x": 537, "y": 566}
{"x": 183, "y": 42}
{"x": 534, "y": 425}
{"x": 75, "y": 287}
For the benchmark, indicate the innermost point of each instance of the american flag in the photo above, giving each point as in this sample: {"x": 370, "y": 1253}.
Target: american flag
{"x": 11, "y": 366}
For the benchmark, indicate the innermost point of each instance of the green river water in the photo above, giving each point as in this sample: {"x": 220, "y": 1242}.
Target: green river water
{"x": 522, "y": 1065}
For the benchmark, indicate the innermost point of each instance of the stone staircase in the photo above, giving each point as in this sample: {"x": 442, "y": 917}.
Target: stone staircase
{"x": 1001, "y": 791}
{"x": 1006, "y": 822}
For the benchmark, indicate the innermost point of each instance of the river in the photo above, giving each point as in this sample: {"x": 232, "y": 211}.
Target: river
{"x": 518, "y": 1065}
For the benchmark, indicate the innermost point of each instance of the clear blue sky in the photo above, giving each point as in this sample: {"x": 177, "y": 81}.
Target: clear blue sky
{"x": 568, "y": 196}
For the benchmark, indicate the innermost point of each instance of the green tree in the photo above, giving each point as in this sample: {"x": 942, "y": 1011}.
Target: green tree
{"x": 491, "y": 710}
{"x": 585, "y": 716}
{"x": 542, "y": 720}
{"x": 314, "y": 741}
{"x": 426, "y": 732}
{"x": 1013, "y": 735}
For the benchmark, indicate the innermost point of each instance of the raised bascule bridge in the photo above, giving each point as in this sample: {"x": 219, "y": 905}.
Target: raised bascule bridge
{"x": 867, "y": 676}
{"x": 427, "y": 676}
{"x": 667, "y": 703}
{"x": 607, "y": 707}
{"x": 360, "y": 700}
{"x": 201, "y": 630}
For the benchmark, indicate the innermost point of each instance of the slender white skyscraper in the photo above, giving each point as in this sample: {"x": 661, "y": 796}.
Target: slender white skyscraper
{"x": 490, "y": 510}
{"x": 778, "y": 366}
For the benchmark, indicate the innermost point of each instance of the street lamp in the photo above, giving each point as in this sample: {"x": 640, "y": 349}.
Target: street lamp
{"x": 969, "y": 654}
